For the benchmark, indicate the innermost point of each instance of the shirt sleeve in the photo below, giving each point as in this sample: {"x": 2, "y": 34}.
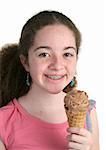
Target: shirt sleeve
{"x": 92, "y": 104}
{"x": 1, "y": 126}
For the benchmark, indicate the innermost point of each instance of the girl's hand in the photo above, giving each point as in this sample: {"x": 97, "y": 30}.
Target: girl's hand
{"x": 79, "y": 139}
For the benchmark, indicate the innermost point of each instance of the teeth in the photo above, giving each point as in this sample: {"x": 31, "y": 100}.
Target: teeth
{"x": 55, "y": 77}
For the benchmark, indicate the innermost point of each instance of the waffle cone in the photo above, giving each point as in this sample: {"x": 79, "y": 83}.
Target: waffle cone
{"x": 77, "y": 120}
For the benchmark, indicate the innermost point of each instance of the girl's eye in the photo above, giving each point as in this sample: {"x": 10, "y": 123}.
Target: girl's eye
{"x": 44, "y": 55}
{"x": 68, "y": 55}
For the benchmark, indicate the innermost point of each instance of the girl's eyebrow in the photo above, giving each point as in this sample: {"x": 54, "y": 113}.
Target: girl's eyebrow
{"x": 43, "y": 47}
{"x": 70, "y": 47}
{"x": 49, "y": 48}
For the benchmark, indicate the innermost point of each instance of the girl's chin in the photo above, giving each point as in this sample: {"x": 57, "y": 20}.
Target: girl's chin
{"x": 55, "y": 91}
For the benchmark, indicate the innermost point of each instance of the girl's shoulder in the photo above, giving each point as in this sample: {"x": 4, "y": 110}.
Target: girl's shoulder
{"x": 5, "y": 115}
{"x": 5, "y": 109}
{"x": 6, "y": 112}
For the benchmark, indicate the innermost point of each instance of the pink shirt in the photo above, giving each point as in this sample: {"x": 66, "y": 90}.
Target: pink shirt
{"x": 21, "y": 131}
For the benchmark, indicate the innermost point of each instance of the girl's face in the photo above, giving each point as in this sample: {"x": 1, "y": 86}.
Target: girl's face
{"x": 52, "y": 58}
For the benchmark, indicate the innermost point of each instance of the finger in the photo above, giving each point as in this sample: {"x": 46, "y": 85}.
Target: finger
{"x": 77, "y": 138}
{"x": 73, "y": 145}
{"x": 77, "y": 146}
{"x": 79, "y": 131}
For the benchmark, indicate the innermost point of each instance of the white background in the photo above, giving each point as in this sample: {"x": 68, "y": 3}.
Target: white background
{"x": 89, "y": 17}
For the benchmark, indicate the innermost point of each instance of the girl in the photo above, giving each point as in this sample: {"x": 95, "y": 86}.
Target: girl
{"x": 34, "y": 73}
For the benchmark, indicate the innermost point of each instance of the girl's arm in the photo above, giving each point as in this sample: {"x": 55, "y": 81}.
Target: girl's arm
{"x": 2, "y": 147}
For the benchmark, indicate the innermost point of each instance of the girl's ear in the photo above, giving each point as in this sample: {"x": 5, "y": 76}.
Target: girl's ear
{"x": 24, "y": 62}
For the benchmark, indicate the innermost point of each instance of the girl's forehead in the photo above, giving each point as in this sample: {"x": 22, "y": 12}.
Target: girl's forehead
{"x": 56, "y": 37}
{"x": 53, "y": 33}
{"x": 55, "y": 28}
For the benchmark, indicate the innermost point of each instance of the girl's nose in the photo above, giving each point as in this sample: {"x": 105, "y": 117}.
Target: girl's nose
{"x": 56, "y": 63}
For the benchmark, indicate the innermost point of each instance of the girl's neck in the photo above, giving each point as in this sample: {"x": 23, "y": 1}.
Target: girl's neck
{"x": 46, "y": 100}
{"x": 42, "y": 99}
{"x": 48, "y": 107}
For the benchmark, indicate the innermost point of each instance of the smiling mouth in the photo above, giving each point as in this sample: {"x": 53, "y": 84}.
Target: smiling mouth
{"x": 55, "y": 77}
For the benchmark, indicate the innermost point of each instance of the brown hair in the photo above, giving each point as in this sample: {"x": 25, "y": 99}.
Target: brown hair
{"x": 12, "y": 73}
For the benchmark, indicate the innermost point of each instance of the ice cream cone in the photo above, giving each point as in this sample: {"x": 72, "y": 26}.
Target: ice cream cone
{"x": 77, "y": 120}
{"x": 76, "y": 106}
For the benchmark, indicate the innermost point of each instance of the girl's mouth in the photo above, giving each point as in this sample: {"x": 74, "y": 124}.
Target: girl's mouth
{"x": 55, "y": 77}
